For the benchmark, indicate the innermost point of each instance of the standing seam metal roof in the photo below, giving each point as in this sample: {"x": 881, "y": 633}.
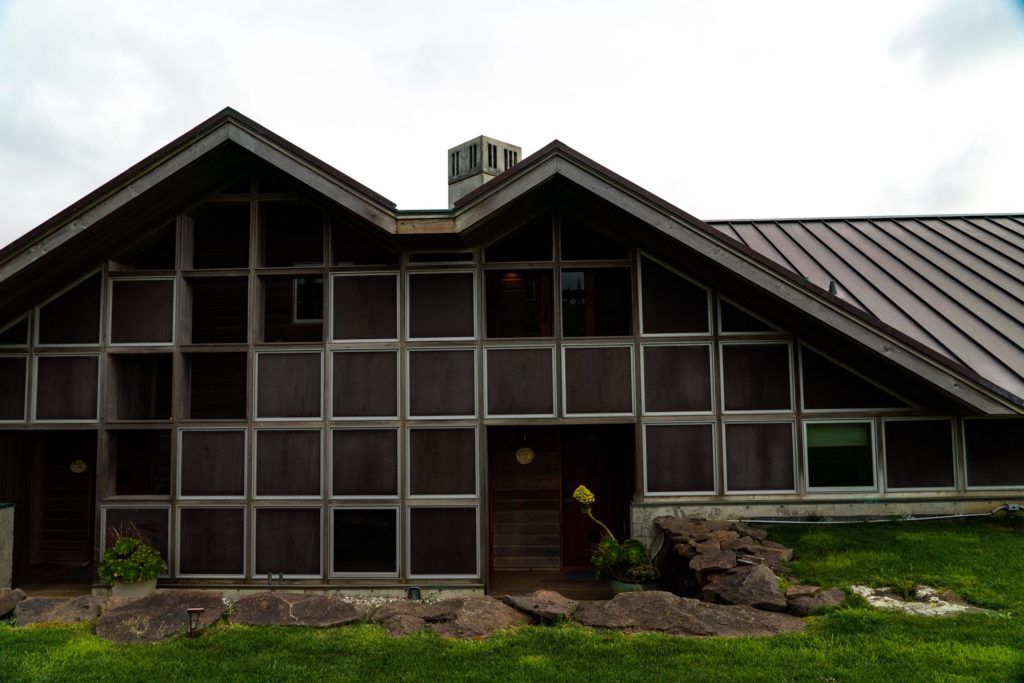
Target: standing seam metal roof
{"x": 953, "y": 283}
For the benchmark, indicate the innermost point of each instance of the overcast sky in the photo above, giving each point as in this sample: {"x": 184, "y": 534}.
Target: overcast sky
{"x": 726, "y": 109}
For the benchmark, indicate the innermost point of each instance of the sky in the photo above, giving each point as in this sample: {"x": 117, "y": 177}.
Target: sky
{"x": 727, "y": 109}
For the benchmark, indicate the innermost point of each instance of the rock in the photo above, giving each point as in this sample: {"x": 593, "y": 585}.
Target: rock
{"x": 159, "y": 615}
{"x": 756, "y": 586}
{"x": 58, "y": 610}
{"x": 547, "y": 605}
{"x": 752, "y": 532}
{"x": 666, "y": 613}
{"x": 705, "y": 546}
{"x": 720, "y": 536}
{"x": 738, "y": 543}
{"x": 9, "y": 599}
{"x": 474, "y": 617}
{"x": 772, "y": 554}
{"x": 801, "y": 589}
{"x": 714, "y": 560}
{"x": 805, "y": 604}
{"x": 293, "y": 609}
{"x": 927, "y": 601}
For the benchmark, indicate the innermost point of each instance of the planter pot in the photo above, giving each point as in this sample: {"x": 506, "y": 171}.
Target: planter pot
{"x": 627, "y": 586}
{"x": 133, "y": 590}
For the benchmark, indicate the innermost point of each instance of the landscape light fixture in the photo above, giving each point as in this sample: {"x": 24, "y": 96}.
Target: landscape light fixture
{"x": 193, "y": 620}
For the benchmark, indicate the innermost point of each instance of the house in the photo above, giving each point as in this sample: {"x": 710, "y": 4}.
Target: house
{"x": 270, "y": 371}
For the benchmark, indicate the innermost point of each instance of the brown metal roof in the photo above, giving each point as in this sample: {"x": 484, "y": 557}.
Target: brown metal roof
{"x": 953, "y": 283}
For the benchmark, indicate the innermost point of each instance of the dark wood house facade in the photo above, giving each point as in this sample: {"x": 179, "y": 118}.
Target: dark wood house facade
{"x": 270, "y": 371}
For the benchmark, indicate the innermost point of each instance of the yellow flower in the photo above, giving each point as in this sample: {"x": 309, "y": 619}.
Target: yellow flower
{"x": 583, "y": 496}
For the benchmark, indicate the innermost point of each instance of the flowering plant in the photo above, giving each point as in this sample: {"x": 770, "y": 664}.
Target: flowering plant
{"x": 626, "y": 561}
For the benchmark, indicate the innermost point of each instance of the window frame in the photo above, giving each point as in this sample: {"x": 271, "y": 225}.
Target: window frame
{"x": 792, "y": 422}
{"x": 841, "y": 489}
{"x": 171, "y": 531}
{"x": 256, "y": 353}
{"x": 952, "y": 448}
{"x": 366, "y": 418}
{"x": 34, "y": 388}
{"x": 714, "y": 458}
{"x": 398, "y": 306}
{"x": 708, "y": 294}
{"x": 255, "y": 494}
{"x": 554, "y": 381}
{"x": 632, "y": 374}
{"x": 37, "y": 314}
{"x": 178, "y": 495}
{"x": 867, "y": 411}
{"x": 397, "y": 509}
{"x": 407, "y": 470}
{"x": 255, "y": 531}
{"x": 407, "y": 309}
{"x": 788, "y": 343}
{"x": 711, "y": 379}
{"x": 112, "y": 281}
{"x": 408, "y": 541}
{"x": 399, "y": 444}
{"x": 407, "y": 398}
{"x": 177, "y": 541}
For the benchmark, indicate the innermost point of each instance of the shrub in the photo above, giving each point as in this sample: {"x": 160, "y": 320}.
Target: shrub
{"x": 131, "y": 560}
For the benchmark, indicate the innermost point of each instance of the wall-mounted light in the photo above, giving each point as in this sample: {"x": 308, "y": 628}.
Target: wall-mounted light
{"x": 525, "y": 454}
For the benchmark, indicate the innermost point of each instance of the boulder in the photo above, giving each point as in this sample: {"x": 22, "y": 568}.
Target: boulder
{"x": 58, "y": 610}
{"x": 755, "y": 586}
{"x": 158, "y": 616}
{"x": 805, "y": 604}
{"x": 714, "y": 560}
{"x": 9, "y": 599}
{"x": 293, "y": 609}
{"x": 801, "y": 589}
{"x": 747, "y": 530}
{"x": 547, "y": 605}
{"x": 666, "y": 613}
{"x": 474, "y": 617}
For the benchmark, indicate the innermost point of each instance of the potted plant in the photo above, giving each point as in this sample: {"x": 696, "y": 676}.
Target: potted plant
{"x": 627, "y": 565}
{"x": 131, "y": 566}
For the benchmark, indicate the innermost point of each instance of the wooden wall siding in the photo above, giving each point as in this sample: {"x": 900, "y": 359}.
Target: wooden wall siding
{"x": 919, "y": 454}
{"x": 211, "y": 541}
{"x": 220, "y": 236}
{"x": 217, "y": 384}
{"x": 279, "y": 311}
{"x": 365, "y": 384}
{"x": 13, "y": 373}
{"x": 821, "y": 377}
{"x": 152, "y": 523}
{"x": 759, "y": 456}
{"x": 220, "y": 310}
{"x": 680, "y": 458}
{"x": 525, "y": 500}
{"x": 212, "y": 463}
{"x": 66, "y": 387}
{"x": 442, "y": 383}
{"x": 597, "y": 302}
{"x": 365, "y": 541}
{"x": 349, "y": 247}
{"x": 532, "y": 242}
{"x": 141, "y": 386}
{"x": 520, "y": 381}
{"x": 74, "y": 316}
{"x": 288, "y": 462}
{"x": 441, "y": 305}
{"x": 141, "y": 461}
{"x": 142, "y": 311}
{"x": 16, "y": 334}
{"x": 442, "y": 462}
{"x": 736, "y": 320}
{"x": 442, "y": 541}
{"x": 581, "y": 243}
{"x": 598, "y": 380}
{"x": 364, "y": 462}
{"x": 520, "y": 303}
{"x": 365, "y": 307}
{"x": 288, "y": 385}
{"x": 288, "y": 541}
{"x": 671, "y": 303}
{"x": 677, "y": 379}
{"x": 293, "y": 235}
{"x": 994, "y": 452}
{"x": 756, "y": 377}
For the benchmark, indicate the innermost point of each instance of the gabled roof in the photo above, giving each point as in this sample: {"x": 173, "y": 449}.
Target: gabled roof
{"x": 988, "y": 379}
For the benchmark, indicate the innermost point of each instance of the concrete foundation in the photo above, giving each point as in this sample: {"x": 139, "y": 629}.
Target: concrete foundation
{"x": 398, "y": 592}
{"x": 6, "y": 544}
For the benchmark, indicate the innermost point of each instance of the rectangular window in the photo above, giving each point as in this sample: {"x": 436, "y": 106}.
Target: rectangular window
{"x": 672, "y": 304}
{"x": 365, "y": 307}
{"x": 597, "y": 380}
{"x": 142, "y": 311}
{"x": 140, "y": 386}
{"x": 73, "y": 317}
{"x": 288, "y": 463}
{"x": 919, "y": 454}
{"x": 442, "y": 383}
{"x": 293, "y": 234}
{"x": 519, "y": 303}
{"x": 365, "y": 384}
{"x": 840, "y": 455}
{"x": 293, "y": 309}
{"x": 759, "y": 456}
{"x": 442, "y": 462}
{"x": 287, "y": 542}
{"x": 211, "y": 542}
{"x": 677, "y": 379}
{"x": 994, "y": 455}
{"x": 364, "y": 462}
{"x": 365, "y": 541}
{"x": 13, "y": 375}
{"x": 756, "y": 377}
{"x": 66, "y": 388}
{"x": 520, "y": 381}
{"x": 220, "y": 236}
{"x": 220, "y": 310}
{"x": 441, "y": 306}
{"x": 288, "y": 385}
{"x": 211, "y": 463}
{"x": 443, "y": 542}
{"x": 141, "y": 460}
{"x": 597, "y": 303}
{"x": 216, "y": 385}
{"x": 679, "y": 458}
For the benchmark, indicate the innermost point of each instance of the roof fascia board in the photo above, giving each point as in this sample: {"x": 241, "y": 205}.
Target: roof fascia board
{"x": 110, "y": 203}
{"x": 308, "y": 175}
{"x": 964, "y": 389}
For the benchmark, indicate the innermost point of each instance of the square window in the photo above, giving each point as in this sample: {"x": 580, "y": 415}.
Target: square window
{"x": 287, "y": 542}
{"x": 993, "y": 450}
{"x": 365, "y": 384}
{"x": 442, "y": 383}
{"x": 365, "y": 307}
{"x": 140, "y": 386}
{"x": 211, "y": 541}
{"x": 220, "y": 236}
{"x": 141, "y": 311}
{"x": 443, "y": 541}
{"x": 442, "y": 462}
{"x": 66, "y": 387}
{"x": 364, "y": 462}
{"x": 519, "y": 303}
{"x": 677, "y": 379}
{"x": 756, "y": 377}
{"x": 520, "y": 381}
{"x": 441, "y": 306}
{"x": 293, "y": 308}
{"x": 840, "y": 455}
{"x": 212, "y": 463}
{"x": 288, "y": 385}
{"x": 220, "y": 310}
{"x": 680, "y": 458}
{"x": 293, "y": 234}
{"x": 759, "y": 456}
{"x": 73, "y": 317}
{"x": 597, "y": 302}
{"x": 288, "y": 463}
{"x": 598, "y": 380}
{"x": 672, "y": 304}
{"x": 216, "y": 385}
{"x": 365, "y": 541}
{"x": 141, "y": 460}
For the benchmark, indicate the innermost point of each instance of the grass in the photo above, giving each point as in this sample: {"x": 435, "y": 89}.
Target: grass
{"x": 977, "y": 560}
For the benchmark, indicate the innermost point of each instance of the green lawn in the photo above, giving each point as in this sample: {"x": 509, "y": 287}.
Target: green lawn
{"x": 979, "y": 560}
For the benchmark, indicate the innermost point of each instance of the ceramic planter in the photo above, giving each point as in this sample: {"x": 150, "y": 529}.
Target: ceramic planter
{"x": 139, "y": 589}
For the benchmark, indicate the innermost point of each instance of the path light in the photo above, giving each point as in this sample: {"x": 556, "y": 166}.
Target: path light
{"x": 193, "y": 620}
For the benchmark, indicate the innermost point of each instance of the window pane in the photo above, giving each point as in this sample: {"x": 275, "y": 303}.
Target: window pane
{"x": 142, "y": 311}
{"x": 12, "y": 387}
{"x": 365, "y": 541}
{"x": 519, "y": 303}
{"x": 141, "y": 461}
{"x": 442, "y": 541}
{"x": 737, "y": 320}
{"x": 220, "y": 310}
{"x": 756, "y": 377}
{"x": 677, "y": 379}
{"x": 994, "y": 455}
{"x": 217, "y": 385}
{"x": 828, "y": 385}
{"x": 365, "y": 462}
{"x": 365, "y": 384}
{"x": 919, "y": 454}
{"x": 211, "y": 541}
{"x": 442, "y": 383}
{"x": 74, "y": 316}
{"x": 441, "y": 305}
{"x": 598, "y": 380}
{"x": 293, "y": 308}
{"x": 221, "y": 236}
{"x": 66, "y": 387}
{"x": 212, "y": 463}
{"x": 519, "y": 382}
{"x": 597, "y": 303}
{"x": 288, "y": 462}
{"x": 288, "y": 541}
{"x": 442, "y": 462}
{"x": 759, "y": 457}
{"x": 288, "y": 385}
{"x": 364, "y": 307}
{"x": 839, "y": 455}
{"x": 672, "y": 304}
{"x": 293, "y": 235}
{"x": 141, "y": 386}
{"x": 680, "y": 458}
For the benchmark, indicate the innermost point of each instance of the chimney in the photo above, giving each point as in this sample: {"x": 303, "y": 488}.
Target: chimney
{"x": 476, "y": 161}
